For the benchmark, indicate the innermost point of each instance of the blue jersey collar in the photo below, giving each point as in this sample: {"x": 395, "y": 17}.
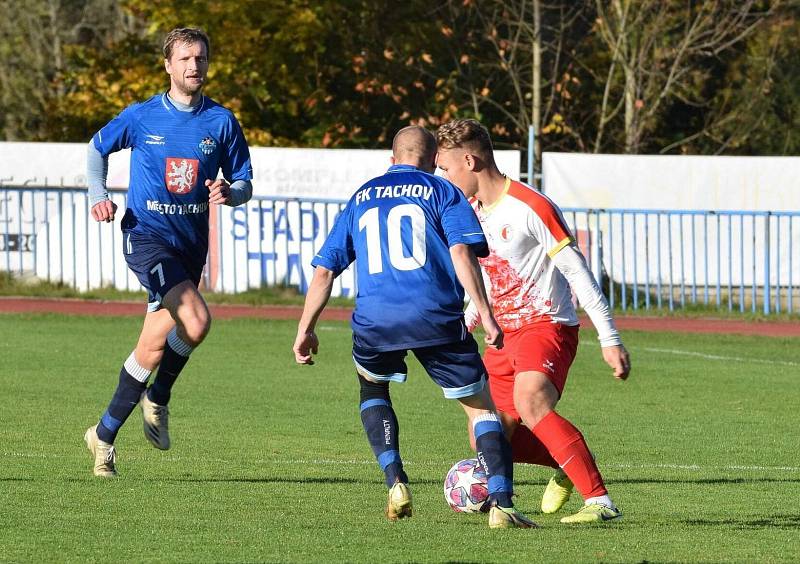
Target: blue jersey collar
{"x": 403, "y": 168}
{"x": 170, "y": 106}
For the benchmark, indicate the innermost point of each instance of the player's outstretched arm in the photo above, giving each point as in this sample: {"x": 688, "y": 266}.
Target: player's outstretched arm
{"x": 571, "y": 264}
{"x": 319, "y": 291}
{"x": 469, "y": 274}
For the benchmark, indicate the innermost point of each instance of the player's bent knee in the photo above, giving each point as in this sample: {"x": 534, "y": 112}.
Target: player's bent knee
{"x": 370, "y": 389}
{"x": 196, "y": 329}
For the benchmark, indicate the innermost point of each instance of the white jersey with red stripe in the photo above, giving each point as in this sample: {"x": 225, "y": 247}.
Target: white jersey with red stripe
{"x": 525, "y": 229}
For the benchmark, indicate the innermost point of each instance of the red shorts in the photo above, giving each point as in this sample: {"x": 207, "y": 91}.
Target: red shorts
{"x": 548, "y": 348}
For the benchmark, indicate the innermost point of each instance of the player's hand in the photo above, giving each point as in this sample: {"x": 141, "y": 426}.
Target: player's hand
{"x": 471, "y": 317}
{"x": 493, "y": 334}
{"x": 219, "y": 191}
{"x": 104, "y": 211}
{"x": 619, "y": 361}
{"x": 305, "y": 345}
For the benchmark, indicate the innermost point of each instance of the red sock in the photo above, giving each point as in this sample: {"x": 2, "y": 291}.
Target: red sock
{"x": 530, "y": 450}
{"x": 568, "y": 448}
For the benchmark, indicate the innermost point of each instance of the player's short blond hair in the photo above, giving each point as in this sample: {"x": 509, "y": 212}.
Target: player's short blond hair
{"x": 467, "y": 134}
{"x": 185, "y": 35}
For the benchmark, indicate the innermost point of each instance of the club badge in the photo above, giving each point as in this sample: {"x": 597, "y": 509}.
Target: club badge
{"x": 181, "y": 175}
{"x": 207, "y": 145}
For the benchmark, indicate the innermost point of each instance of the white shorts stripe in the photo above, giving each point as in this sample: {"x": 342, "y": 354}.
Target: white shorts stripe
{"x": 396, "y": 377}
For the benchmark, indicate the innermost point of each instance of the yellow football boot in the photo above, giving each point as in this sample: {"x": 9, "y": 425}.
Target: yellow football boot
{"x": 594, "y": 513}
{"x": 557, "y": 492}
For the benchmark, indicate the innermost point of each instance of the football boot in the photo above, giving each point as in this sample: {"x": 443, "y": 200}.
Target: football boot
{"x": 509, "y": 518}
{"x": 399, "y": 505}
{"x": 594, "y": 513}
{"x": 557, "y": 492}
{"x": 105, "y": 455}
{"x": 156, "y": 422}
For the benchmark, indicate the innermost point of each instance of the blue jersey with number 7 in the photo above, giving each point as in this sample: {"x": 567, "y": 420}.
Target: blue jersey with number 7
{"x": 399, "y": 228}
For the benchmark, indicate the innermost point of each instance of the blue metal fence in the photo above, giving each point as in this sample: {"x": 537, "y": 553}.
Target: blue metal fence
{"x": 670, "y": 259}
{"x": 741, "y": 261}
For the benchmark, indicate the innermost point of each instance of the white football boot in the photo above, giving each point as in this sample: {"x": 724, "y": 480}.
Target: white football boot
{"x": 156, "y": 422}
{"x": 105, "y": 455}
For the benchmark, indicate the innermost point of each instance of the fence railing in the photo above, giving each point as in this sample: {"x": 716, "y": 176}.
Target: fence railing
{"x": 643, "y": 259}
{"x": 669, "y": 259}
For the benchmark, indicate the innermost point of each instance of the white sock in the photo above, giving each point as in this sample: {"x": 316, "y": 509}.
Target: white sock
{"x": 602, "y": 500}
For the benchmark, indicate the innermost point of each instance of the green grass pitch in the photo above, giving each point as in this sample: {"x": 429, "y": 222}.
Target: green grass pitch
{"x": 700, "y": 449}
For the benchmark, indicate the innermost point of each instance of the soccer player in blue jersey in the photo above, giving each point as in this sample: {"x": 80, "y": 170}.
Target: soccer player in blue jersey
{"x": 180, "y": 140}
{"x": 415, "y": 239}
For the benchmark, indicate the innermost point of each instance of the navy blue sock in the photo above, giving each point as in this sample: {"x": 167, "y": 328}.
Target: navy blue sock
{"x": 124, "y": 401}
{"x": 176, "y": 355}
{"x": 494, "y": 453}
{"x": 383, "y": 431}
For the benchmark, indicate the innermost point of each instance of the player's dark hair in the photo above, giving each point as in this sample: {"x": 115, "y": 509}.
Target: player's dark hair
{"x": 467, "y": 134}
{"x": 185, "y": 35}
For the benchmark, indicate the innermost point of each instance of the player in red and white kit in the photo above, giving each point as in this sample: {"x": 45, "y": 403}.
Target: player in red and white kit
{"x": 533, "y": 267}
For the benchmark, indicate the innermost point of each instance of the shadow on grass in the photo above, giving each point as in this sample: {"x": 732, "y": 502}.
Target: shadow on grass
{"x": 778, "y": 521}
{"x": 271, "y": 480}
{"x": 710, "y": 481}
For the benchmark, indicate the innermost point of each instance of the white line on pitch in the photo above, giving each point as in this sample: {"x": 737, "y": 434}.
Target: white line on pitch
{"x": 428, "y": 463}
{"x": 721, "y": 357}
{"x": 709, "y": 356}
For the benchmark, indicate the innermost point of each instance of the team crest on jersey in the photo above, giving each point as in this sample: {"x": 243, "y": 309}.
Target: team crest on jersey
{"x": 506, "y": 233}
{"x": 207, "y": 145}
{"x": 181, "y": 175}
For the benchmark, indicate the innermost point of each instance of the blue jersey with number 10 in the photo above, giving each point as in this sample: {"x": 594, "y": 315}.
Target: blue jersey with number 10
{"x": 400, "y": 227}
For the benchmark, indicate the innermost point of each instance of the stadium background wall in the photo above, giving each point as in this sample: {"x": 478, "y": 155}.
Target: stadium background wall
{"x": 644, "y": 257}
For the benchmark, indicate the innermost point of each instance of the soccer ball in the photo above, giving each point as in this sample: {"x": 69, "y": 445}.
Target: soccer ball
{"x": 466, "y": 487}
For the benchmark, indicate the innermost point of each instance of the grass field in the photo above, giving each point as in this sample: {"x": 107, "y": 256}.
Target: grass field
{"x": 269, "y": 462}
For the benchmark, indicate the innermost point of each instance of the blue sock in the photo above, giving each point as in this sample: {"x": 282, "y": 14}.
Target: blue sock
{"x": 494, "y": 453}
{"x": 383, "y": 431}
{"x": 132, "y": 382}
{"x": 176, "y": 355}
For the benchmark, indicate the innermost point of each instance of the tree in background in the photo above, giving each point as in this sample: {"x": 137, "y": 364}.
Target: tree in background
{"x": 37, "y": 39}
{"x": 589, "y": 75}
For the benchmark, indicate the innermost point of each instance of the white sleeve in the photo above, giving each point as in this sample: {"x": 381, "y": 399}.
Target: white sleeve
{"x": 571, "y": 264}
{"x": 471, "y": 316}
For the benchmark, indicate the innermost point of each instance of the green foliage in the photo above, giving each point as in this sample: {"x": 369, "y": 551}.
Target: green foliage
{"x": 349, "y": 73}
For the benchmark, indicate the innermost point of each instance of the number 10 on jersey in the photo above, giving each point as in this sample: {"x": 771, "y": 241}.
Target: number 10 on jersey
{"x": 370, "y": 221}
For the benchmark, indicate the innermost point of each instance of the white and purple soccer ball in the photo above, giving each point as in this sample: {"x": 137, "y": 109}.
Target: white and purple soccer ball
{"x": 466, "y": 487}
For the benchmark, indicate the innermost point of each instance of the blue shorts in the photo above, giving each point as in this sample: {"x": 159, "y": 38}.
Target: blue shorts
{"x": 456, "y": 367}
{"x": 158, "y": 266}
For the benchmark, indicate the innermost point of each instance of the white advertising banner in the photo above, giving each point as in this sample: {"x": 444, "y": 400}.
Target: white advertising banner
{"x": 48, "y": 233}
{"x": 672, "y": 182}
{"x": 294, "y": 173}
{"x": 641, "y": 246}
